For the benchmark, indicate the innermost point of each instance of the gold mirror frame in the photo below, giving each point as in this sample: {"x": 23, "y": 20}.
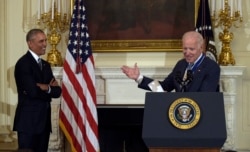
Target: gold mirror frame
{"x": 135, "y": 45}
{"x": 164, "y": 45}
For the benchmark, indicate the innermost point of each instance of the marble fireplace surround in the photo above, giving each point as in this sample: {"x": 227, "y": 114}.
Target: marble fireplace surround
{"x": 113, "y": 87}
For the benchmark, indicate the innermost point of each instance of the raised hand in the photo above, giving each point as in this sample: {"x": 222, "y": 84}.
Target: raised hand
{"x": 131, "y": 72}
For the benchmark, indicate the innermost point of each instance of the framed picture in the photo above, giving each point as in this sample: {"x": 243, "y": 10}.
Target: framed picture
{"x": 139, "y": 25}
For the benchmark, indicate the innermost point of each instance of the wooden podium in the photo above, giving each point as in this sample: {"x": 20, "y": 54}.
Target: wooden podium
{"x": 184, "y": 122}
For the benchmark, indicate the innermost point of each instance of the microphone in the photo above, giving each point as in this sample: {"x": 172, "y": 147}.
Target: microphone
{"x": 178, "y": 77}
{"x": 179, "y": 80}
{"x": 183, "y": 84}
{"x": 189, "y": 77}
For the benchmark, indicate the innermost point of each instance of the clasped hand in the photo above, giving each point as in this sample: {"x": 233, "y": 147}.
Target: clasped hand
{"x": 45, "y": 87}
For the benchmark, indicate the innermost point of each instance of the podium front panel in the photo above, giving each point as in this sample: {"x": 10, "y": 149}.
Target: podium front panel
{"x": 158, "y": 131}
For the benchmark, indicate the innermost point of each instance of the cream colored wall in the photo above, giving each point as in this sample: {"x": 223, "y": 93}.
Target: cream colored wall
{"x": 13, "y": 45}
{"x": 2, "y": 68}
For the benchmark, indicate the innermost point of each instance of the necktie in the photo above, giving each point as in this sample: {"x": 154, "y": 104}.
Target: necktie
{"x": 189, "y": 67}
{"x": 40, "y": 63}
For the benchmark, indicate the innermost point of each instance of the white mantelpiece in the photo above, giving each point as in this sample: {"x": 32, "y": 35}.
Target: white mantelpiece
{"x": 113, "y": 87}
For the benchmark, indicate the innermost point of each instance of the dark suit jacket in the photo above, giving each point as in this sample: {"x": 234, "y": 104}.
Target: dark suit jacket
{"x": 205, "y": 78}
{"x": 33, "y": 112}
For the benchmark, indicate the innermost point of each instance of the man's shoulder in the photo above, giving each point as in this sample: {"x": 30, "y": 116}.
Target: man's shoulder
{"x": 46, "y": 63}
{"x": 182, "y": 60}
{"x": 23, "y": 58}
{"x": 208, "y": 62}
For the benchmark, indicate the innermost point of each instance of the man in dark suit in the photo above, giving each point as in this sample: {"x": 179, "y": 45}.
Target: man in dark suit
{"x": 194, "y": 73}
{"x": 35, "y": 86}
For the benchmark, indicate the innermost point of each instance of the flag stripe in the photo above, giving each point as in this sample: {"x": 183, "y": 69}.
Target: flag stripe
{"x": 74, "y": 80}
{"x": 71, "y": 110}
{"x": 68, "y": 131}
{"x": 72, "y": 116}
{"x": 78, "y": 113}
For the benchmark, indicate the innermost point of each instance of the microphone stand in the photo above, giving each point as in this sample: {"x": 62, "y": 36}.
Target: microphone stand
{"x": 183, "y": 84}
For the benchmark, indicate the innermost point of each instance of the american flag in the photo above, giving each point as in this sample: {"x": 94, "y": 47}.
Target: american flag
{"x": 78, "y": 113}
{"x": 204, "y": 26}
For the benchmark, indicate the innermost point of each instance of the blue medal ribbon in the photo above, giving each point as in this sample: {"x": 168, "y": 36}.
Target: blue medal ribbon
{"x": 195, "y": 66}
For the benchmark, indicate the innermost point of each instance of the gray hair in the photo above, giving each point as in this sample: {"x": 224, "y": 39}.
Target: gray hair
{"x": 195, "y": 35}
{"x": 32, "y": 33}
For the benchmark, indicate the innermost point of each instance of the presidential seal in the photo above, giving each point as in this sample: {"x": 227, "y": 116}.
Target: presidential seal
{"x": 184, "y": 113}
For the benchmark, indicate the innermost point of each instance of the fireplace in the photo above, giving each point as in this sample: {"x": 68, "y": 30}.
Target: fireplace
{"x": 120, "y": 128}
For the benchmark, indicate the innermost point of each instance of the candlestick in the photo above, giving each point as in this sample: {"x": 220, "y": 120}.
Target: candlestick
{"x": 227, "y": 18}
{"x": 56, "y": 23}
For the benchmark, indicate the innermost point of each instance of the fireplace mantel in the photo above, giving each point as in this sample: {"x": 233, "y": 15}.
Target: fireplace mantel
{"x": 113, "y": 87}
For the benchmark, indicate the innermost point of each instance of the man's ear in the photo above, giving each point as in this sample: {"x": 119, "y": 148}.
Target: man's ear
{"x": 29, "y": 43}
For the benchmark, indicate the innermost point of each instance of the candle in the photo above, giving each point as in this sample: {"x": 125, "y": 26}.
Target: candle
{"x": 232, "y": 6}
{"x": 222, "y": 4}
{"x": 63, "y": 5}
{"x": 38, "y": 9}
{"x": 30, "y": 9}
{"x": 52, "y": 10}
{"x": 212, "y": 6}
{"x": 59, "y": 6}
{"x": 45, "y": 6}
{"x": 239, "y": 7}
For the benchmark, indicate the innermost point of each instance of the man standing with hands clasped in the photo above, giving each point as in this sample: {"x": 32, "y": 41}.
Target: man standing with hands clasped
{"x": 194, "y": 73}
{"x": 36, "y": 86}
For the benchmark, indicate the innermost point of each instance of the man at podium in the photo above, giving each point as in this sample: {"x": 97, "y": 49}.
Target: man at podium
{"x": 194, "y": 73}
